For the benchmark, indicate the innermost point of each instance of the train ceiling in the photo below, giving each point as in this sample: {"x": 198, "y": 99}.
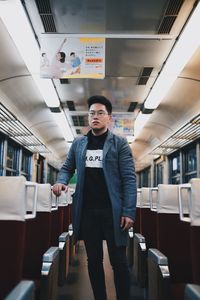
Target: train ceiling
{"x": 139, "y": 38}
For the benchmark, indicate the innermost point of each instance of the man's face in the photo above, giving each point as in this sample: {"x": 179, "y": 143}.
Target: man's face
{"x": 98, "y": 118}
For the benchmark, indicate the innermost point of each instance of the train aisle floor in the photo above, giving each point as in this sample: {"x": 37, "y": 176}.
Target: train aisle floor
{"x": 78, "y": 286}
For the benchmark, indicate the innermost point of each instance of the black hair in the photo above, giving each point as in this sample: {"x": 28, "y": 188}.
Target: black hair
{"x": 102, "y": 100}
{"x": 62, "y": 54}
{"x": 72, "y": 53}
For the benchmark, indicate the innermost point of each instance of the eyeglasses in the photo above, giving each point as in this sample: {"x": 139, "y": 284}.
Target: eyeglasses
{"x": 99, "y": 113}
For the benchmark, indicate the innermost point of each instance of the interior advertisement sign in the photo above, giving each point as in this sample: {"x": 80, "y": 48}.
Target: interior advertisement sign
{"x": 72, "y": 57}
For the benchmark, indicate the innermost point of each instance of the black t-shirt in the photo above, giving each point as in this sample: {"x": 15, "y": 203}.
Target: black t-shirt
{"x": 95, "y": 189}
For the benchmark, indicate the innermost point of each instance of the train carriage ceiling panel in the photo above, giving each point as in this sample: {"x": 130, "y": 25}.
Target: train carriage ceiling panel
{"x": 11, "y": 63}
{"x": 139, "y": 38}
{"x": 20, "y": 95}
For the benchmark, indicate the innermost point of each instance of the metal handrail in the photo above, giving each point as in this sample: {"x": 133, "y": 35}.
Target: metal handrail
{"x": 180, "y": 201}
{"x": 54, "y": 207}
{"x": 29, "y": 184}
{"x": 154, "y": 189}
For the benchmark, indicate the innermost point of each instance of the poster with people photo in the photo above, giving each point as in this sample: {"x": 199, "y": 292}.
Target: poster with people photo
{"x": 72, "y": 57}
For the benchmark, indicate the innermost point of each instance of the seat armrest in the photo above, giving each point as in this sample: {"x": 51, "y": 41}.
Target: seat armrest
{"x": 157, "y": 256}
{"x": 24, "y": 290}
{"x": 50, "y": 254}
{"x": 33, "y": 185}
{"x": 49, "y": 274}
{"x": 139, "y": 238}
{"x": 64, "y": 237}
{"x": 192, "y": 292}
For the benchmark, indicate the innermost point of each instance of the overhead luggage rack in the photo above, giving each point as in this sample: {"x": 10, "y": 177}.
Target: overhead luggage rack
{"x": 16, "y": 130}
{"x": 185, "y": 135}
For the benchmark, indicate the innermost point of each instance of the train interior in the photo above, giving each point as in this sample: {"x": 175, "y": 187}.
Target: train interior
{"x": 152, "y": 78}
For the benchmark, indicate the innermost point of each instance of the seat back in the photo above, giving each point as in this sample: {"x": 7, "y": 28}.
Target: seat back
{"x": 12, "y": 231}
{"x": 173, "y": 238}
{"x": 61, "y": 218}
{"x": 38, "y": 234}
{"x": 147, "y": 219}
{"x": 136, "y": 226}
{"x": 195, "y": 228}
{"x": 65, "y": 200}
{"x": 159, "y": 277}
{"x": 140, "y": 259}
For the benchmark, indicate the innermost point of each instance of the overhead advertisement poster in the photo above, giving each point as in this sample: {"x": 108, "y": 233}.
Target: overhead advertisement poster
{"x": 72, "y": 57}
{"x": 122, "y": 124}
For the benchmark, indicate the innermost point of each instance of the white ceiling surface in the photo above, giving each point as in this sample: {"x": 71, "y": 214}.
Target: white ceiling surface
{"x": 125, "y": 58}
{"x": 20, "y": 95}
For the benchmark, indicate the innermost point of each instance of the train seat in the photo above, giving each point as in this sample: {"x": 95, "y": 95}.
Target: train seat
{"x": 195, "y": 229}
{"x": 68, "y": 209}
{"x": 38, "y": 233}
{"x": 147, "y": 219}
{"x": 173, "y": 239}
{"x": 132, "y": 231}
{"x": 37, "y": 244}
{"x": 60, "y": 235}
{"x": 159, "y": 277}
{"x": 136, "y": 226}
{"x": 148, "y": 232}
{"x": 61, "y": 215}
{"x": 194, "y": 220}
{"x": 12, "y": 231}
{"x": 56, "y": 220}
{"x": 129, "y": 250}
{"x": 140, "y": 259}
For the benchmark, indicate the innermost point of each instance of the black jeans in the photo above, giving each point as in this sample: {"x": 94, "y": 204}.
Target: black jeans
{"x": 97, "y": 225}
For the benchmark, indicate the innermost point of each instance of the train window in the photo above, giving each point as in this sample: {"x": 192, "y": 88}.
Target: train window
{"x": 51, "y": 174}
{"x": 12, "y": 160}
{"x": 158, "y": 174}
{"x": 190, "y": 163}
{"x": 174, "y": 169}
{"x": 40, "y": 170}
{"x": 144, "y": 178}
{"x": 26, "y": 164}
{"x": 1, "y": 155}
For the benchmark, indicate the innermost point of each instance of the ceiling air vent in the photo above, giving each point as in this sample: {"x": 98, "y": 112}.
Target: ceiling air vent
{"x": 144, "y": 76}
{"x": 45, "y": 12}
{"x": 132, "y": 106}
{"x": 78, "y": 121}
{"x": 70, "y": 105}
{"x": 170, "y": 16}
{"x": 78, "y": 131}
{"x": 64, "y": 81}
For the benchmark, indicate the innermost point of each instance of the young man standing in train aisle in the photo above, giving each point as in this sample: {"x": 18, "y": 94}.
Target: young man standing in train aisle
{"x": 105, "y": 198}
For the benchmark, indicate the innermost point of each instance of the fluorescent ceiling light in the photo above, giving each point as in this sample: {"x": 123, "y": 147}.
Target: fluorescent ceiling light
{"x": 14, "y": 17}
{"x": 63, "y": 125}
{"x": 185, "y": 47}
{"x": 140, "y": 121}
{"x": 183, "y": 50}
{"x": 47, "y": 90}
{"x": 15, "y": 20}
